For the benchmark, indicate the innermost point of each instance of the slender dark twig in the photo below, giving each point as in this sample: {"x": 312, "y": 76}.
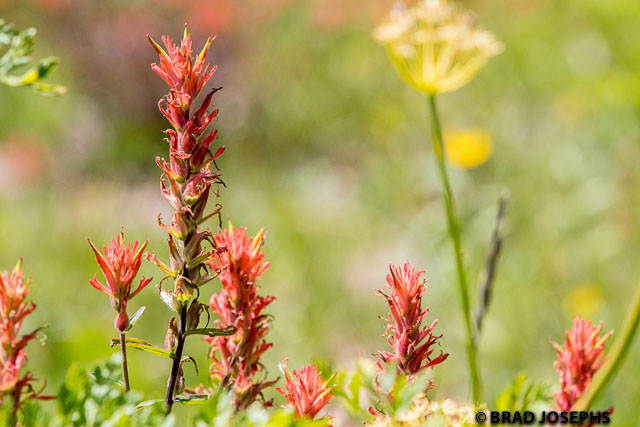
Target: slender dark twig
{"x": 125, "y": 369}
{"x": 176, "y": 362}
{"x": 491, "y": 266}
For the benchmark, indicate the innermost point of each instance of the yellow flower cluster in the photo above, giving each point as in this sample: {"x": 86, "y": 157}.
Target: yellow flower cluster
{"x": 436, "y": 46}
{"x": 429, "y": 413}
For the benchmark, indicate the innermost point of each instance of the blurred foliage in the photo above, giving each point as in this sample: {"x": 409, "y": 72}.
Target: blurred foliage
{"x": 524, "y": 395}
{"x": 17, "y": 47}
{"x": 329, "y": 149}
{"x": 388, "y": 393}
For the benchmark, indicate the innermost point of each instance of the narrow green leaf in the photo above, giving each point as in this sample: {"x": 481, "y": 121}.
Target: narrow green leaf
{"x": 144, "y": 346}
{"x": 192, "y": 399}
{"x": 133, "y": 319}
{"x": 213, "y": 332}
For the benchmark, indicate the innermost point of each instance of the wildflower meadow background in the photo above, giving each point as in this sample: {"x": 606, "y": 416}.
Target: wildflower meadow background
{"x": 331, "y": 152}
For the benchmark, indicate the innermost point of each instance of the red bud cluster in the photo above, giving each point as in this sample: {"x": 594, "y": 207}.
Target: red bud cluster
{"x": 412, "y": 344}
{"x": 306, "y": 391}
{"x": 578, "y": 360}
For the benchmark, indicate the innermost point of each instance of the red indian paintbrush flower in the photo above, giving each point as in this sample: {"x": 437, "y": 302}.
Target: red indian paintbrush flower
{"x": 13, "y": 310}
{"x": 119, "y": 264}
{"x": 236, "y": 359}
{"x": 306, "y": 391}
{"x": 412, "y": 344}
{"x": 578, "y": 360}
{"x": 186, "y": 185}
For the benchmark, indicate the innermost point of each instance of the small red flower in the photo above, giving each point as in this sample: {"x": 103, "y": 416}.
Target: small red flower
{"x": 119, "y": 264}
{"x": 578, "y": 360}
{"x": 412, "y": 344}
{"x": 13, "y": 310}
{"x": 236, "y": 358}
{"x": 306, "y": 391}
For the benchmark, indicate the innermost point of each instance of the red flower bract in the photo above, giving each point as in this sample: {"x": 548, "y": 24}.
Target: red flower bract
{"x": 306, "y": 391}
{"x": 13, "y": 310}
{"x": 236, "y": 358}
{"x": 412, "y": 344}
{"x": 119, "y": 264}
{"x": 578, "y": 360}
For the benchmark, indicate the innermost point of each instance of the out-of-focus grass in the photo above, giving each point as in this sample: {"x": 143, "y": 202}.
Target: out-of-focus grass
{"x": 329, "y": 150}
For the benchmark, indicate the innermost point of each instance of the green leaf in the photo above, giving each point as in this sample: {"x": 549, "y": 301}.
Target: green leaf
{"x": 147, "y": 403}
{"x": 192, "y": 399}
{"x": 144, "y": 346}
{"x": 213, "y": 332}
{"x": 133, "y": 319}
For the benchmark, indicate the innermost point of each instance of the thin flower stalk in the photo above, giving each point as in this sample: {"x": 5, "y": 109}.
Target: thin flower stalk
{"x": 186, "y": 184}
{"x": 14, "y": 308}
{"x": 455, "y": 233}
{"x": 306, "y": 391}
{"x": 236, "y": 359}
{"x": 437, "y": 48}
{"x": 412, "y": 344}
{"x": 119, "y": 264}
{"x": 579, "y": 358}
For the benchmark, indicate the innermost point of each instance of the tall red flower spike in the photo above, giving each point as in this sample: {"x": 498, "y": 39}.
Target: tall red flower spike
{"x": 119, "y": 264}
{"x": 13, "y": 310}
{"x": 578, "y": 360}
{"x": 186, "y": 185}
{"x": 306, "y": 391}
{"x": 412, "y": 344}
{"x": 236, "y": 359}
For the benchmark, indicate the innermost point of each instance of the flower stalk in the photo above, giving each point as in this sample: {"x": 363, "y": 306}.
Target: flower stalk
{"x": 14, "y": 308}
{"x": 236, "y": 359}
{"x": 456, "y": 237}
{"x": 119, "y": 264}
{"x": 186, "y": 185}
{"x": 125, "y": 368}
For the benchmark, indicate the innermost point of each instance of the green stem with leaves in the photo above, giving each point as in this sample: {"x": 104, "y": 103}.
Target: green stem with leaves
{"x": 618, "y": 351}
{"x": 456, "y": 238}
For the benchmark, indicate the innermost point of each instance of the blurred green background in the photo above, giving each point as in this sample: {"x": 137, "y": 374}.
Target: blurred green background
{"x": 330, "y": 150}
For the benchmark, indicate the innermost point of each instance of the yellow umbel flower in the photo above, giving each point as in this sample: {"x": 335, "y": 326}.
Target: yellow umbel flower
{"x": 436, "y": 46}
{"x": 469, "y": 148}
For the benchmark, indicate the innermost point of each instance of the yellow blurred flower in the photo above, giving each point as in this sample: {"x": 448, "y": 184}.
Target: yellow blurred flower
{"x": 469, "y": 148}
{"x": 584, "y": 300}
{"x": 436, "y": 46}
{"x": 426, "y": 413}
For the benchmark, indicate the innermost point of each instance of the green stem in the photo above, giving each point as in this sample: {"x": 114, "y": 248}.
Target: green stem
{"x": 618, "y": 351}
{"x": 125, "y": 369}
{"x": 456, "y": 238}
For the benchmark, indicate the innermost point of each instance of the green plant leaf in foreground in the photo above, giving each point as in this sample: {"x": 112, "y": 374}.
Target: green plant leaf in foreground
{"x": 524, "y": 395}
{"x": 144, "y": 346}
{"x": 213, "y": 332}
